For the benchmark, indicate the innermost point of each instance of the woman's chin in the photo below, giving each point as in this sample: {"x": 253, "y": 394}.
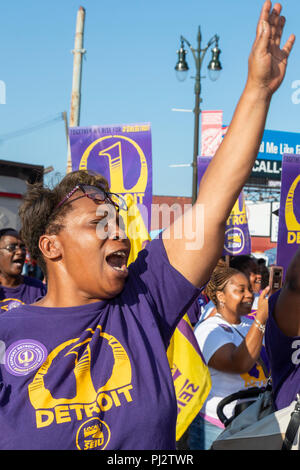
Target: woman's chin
{"x": 115, "y": 283}
{"x": 16, "y": 271}
{"x": 246, "y": 310}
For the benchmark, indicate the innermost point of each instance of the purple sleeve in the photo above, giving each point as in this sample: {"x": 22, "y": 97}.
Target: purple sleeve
{"x": 283, "y": 354}
{"x": 168, "y": 292}
{"x": 194, "y": 312}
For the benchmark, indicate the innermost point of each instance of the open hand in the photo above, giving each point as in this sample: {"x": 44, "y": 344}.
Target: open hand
{"x": 267, "y": 61}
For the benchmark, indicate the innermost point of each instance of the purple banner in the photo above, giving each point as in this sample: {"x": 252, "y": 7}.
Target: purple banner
{"x": 123, "y": 155}
{"x": 289, "y": 212}
{"x": 237, "y": 236}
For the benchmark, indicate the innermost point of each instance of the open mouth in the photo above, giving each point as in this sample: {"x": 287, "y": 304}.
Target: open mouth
{"x": 118, "y": 261}
{"x": 18, "y": 262}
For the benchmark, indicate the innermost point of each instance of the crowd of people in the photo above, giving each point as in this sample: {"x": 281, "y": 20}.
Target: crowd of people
{"x": 231, "y": 339}
{"x": 83, "y": 361}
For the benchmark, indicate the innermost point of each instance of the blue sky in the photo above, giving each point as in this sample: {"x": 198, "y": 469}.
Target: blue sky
{"x": 128, "y": 74}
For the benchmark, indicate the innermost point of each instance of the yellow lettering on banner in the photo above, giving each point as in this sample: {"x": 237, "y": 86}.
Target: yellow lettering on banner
{"x": 140, "y": 197}
{"x": 237, "y": 219}
{"x": 292, "y": 223}
{"x": 115, "y": 160}
{"x": 136, "y": 128}
{"x": 293, "y": 237}
{"x": 186, "y": 396}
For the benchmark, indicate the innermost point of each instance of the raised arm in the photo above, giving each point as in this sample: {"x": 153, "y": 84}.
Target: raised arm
{"x": 195, "y": 242}
{"x": 240, "y": 359}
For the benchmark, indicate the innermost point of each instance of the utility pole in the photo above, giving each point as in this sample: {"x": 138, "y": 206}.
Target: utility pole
{"x": 65, "y": 118}
{"x": 76, "y": 85}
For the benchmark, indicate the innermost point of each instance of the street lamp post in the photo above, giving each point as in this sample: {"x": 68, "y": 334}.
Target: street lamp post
{"x": 182, "y": 68}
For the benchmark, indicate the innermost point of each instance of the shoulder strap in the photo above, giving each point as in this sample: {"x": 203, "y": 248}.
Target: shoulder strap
{"x": 293, "y": 427}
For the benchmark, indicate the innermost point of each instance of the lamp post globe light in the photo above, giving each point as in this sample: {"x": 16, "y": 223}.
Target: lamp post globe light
{"x": 214, "y": 68}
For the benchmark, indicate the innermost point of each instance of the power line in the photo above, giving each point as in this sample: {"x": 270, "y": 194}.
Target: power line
{"x": 33, "y": 127}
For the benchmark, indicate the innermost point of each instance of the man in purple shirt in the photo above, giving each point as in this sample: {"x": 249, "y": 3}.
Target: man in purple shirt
{"x": 15, "y": 289}
{"x": 86, "y": 367}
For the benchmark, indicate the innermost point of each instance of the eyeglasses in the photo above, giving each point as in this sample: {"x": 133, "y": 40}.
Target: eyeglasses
{"x": 98, "y": 195}
{"x": 14, "y": 247}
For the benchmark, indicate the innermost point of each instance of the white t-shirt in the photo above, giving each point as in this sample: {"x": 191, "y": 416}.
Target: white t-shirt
{"x": 206, "y": 311}
{"x": 255, "y": 300}
{"x": 208, "y": 308}
{"x": 211, "y": 335}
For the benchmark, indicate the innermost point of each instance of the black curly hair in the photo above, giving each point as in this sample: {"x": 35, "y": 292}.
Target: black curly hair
{"x": 218, "y": 281}
{"x": 37, "y": 211}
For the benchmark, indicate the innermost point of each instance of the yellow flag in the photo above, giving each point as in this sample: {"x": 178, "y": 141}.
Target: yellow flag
{"x": 135, "y": 228}
{"x": 190, "y": 375}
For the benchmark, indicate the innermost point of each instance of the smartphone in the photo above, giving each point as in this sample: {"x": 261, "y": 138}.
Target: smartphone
{"x": 275, "y": 279}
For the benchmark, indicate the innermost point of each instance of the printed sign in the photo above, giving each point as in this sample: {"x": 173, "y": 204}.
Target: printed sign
{"x": 276, "y": 143}
{"x": 272, "y": 147}
{"x": 123, "y": 155}
{"x": 289, "y": 212}
{"x": 237, "y": 236}
{"x": 211, "y": 132}
{"x": 267, "y": 169}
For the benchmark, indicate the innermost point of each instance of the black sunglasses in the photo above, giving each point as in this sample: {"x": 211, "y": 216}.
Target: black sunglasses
{"x": 98, "y": 195}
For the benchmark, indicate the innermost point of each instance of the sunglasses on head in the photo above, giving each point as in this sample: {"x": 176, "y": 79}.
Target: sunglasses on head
{"x": 98, "y": 195}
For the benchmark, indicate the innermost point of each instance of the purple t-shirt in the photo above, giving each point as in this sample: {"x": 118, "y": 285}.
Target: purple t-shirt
{"x": 95, "y": 376}
{"x": 195, "y": 310}
{"x": 284, "y": 357}
{"x": 26, "y": 293}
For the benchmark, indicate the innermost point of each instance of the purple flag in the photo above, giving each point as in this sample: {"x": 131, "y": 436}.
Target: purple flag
{"x": 122, "y": 154}
{"x": 289, "y": 212}
{"x": 237, "y": 237}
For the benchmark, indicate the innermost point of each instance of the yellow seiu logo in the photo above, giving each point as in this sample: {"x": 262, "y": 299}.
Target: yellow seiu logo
{"x": 292, "y": 224}
{"x": 234, "y": 238}
{"x": 93, "y": 434}
{"x": 115, "y": 161}
{"x": 93, "y": 431}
